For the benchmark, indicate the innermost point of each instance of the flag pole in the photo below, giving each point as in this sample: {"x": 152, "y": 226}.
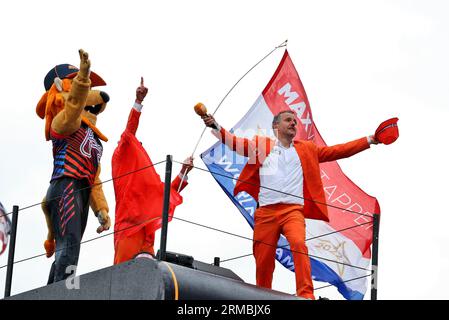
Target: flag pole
{"x": 167, "y": 188}
{"x": 374, "y": 259}
{"x": 11, "y": 251}
{"x": 283, "y": 44}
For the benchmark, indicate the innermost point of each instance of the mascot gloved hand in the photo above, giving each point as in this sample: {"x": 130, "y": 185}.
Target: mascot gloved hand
{"x": 70, "y": 108}
{"x": 104, "y": 220}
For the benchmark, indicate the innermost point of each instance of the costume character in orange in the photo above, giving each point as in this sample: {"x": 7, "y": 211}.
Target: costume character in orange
{"x": 139, "y": 191}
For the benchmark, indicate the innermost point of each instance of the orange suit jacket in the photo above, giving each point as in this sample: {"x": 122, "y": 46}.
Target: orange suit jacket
{"x": 310, "y": 155}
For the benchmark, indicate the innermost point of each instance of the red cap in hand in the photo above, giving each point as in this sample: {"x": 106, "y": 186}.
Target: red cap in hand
{"x": 388, "y": 131}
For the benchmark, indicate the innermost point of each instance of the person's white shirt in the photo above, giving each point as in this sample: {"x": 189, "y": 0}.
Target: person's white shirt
{"x": 281, "y": 177}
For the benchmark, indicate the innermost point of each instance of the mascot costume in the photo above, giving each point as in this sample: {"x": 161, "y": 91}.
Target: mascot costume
{"x": 70, "y": 109}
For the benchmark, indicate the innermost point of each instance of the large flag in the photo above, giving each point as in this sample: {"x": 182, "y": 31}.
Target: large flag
{"x": 5, "y": 229}
{"x": 339, "y": 250}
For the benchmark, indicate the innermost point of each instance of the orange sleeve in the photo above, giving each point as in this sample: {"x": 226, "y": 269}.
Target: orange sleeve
{"x": 175, "y": 184}
{"x": 242, "y": 146}
{"x": 343, "y": 150}
{"x": 133, "y": 121}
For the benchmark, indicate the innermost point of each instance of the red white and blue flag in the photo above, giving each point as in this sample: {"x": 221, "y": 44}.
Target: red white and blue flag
{"x": 335, "y": 247}
{"x": 5, "y": 229}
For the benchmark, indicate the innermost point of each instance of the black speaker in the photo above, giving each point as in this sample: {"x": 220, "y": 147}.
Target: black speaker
{"x": 177, "y": 258}
{"x": 188, "y": 261}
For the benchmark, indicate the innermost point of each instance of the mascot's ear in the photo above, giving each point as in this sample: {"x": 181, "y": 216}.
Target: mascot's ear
{"x": 40, "y": 108}
{"x": 58, "y": 83}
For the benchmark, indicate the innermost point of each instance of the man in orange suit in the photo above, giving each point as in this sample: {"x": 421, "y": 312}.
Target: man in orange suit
{"x": 139, "y": 190}
{"x": 283, "y": 175}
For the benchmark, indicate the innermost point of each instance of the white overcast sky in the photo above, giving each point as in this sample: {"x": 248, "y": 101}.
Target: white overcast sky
{"x": 361, "y": 62}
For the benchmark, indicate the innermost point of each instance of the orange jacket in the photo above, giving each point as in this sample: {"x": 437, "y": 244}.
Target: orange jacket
{"x": 138, "y": 188}
{"x": 310, "y": 155}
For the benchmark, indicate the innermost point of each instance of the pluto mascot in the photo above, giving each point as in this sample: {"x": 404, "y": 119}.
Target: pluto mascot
{"x": 70, "y": 108}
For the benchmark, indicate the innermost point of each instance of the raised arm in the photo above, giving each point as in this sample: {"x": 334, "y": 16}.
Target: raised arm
{"x": 133, "y": 120}
{"x": 69, "y": 119}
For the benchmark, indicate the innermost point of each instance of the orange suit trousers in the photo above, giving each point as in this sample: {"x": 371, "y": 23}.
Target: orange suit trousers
{"x": 269, "y": 223}
{"x": 127, "y": 248}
